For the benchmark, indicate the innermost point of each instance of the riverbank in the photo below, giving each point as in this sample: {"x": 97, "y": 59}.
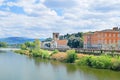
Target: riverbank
{"x": 70, "y": 56}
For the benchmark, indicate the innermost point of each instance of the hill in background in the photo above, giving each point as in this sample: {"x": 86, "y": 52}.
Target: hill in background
{"x": 17, "y": 40}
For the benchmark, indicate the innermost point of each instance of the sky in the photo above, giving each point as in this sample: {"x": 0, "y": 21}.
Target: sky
{"x": 40, "y": 18}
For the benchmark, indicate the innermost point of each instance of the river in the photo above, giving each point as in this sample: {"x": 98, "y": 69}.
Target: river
{"x": 20, "y": 67}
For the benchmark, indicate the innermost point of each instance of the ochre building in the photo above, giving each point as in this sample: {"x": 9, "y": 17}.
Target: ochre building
{"x": 105, "y": 39}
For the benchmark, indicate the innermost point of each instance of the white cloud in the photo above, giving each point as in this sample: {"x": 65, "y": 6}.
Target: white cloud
{"x": 42, "y": 17}
{"x": 1, "y": 2}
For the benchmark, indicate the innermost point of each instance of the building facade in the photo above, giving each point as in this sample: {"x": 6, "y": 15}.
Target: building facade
{"x": 105, "y": 39}
{"x": 56, "y": 43}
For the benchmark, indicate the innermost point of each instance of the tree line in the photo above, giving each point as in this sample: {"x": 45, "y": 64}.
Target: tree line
{"x": 31, "y": 45}
{"x": 3, "y": 44}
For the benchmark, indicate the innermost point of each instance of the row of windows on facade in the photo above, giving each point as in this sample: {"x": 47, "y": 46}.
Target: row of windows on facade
{"x": 112, "y": 35}
{"x": 106, "y": 42}
{"x": 107, "y": 35}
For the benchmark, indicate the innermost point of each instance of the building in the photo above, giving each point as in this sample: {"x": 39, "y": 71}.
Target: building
{"x": 56, "y": 43}
{"x": 105, "y": 39}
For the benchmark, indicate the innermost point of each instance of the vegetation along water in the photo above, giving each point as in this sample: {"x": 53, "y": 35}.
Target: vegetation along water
{"x": 99, "y": 62}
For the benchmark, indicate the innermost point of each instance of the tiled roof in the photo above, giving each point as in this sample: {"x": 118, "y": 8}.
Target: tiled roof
{"x": 62, "y": 42}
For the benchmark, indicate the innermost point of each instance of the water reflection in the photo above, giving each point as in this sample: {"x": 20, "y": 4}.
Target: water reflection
{"x": 101, "y": 74}
{"x": 1, "y": 51}
{"x": 71, "y": 69}
{"x": 21, "y": 67}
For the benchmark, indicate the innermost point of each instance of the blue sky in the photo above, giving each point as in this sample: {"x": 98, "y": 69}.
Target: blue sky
{"x": 40, "y": 18}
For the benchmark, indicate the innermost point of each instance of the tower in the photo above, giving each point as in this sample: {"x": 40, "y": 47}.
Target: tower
{"x": 55, "y": 36}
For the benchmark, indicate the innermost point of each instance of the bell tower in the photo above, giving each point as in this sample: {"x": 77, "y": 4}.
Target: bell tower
{"x": 55, "y": 36}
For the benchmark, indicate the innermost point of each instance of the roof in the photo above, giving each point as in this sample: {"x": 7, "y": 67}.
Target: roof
{"x": 62, "y": 42}
{"x": 88, "y": 33}
{"x": 115, "y": 29}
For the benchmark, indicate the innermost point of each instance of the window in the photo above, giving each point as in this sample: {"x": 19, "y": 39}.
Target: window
{"x": 119, "y": 43}
{"x": 113, "y": 35}
{"x": 105, "y": 41}
{"x": 110, "y": 41}
{"x": 114, "y": 41}
{"x": 105, "y": 35}
{"x": 99, "y": 41}
{"x": 88, "y": 37}
{"x": 119, "y": 35}
{"x": 56, "y": 36}
{"x": 109, "y": 35}
{"x": 99, "y": 35}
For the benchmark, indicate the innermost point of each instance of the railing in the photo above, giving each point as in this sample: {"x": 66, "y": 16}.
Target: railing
{"x": 87, "y": 51}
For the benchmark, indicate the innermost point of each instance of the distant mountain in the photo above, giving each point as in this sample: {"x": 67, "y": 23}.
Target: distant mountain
{"x": 17, "y": 40}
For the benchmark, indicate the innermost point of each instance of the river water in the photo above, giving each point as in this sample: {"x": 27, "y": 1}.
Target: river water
{"x": 20, "y": 67}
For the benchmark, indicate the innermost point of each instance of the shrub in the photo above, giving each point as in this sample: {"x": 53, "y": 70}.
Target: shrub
{"x": 37, "y": 52}
{"x": 115, "y": 64}
{"x": 23, "y": 47}
{"x": 40, "y": 53}
{"x": 54, "y": 52}
{"x": 102, "y": 62}
{"x": 3, "y": 44}
{"x": 71, "y": 56}
{"x": 45, "y": 54}
{"x": 83, "y": 61}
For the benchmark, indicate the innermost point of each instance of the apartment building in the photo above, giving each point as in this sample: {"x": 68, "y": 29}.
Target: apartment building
{"x": 105, "y": 39}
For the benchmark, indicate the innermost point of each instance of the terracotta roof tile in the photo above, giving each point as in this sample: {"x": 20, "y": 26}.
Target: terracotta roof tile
{"x": 62, "y": 42}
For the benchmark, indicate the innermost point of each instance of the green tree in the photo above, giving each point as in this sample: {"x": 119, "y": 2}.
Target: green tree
{"x": 27, "y": 44}
{"x": 48, "y": 39}
{"x": 30, "y": 45}
{"x": 37, "y": 44}
{"x": 23, "y": 47}
{"x": 75, "y": 42}
{"x": 3, "y": 44}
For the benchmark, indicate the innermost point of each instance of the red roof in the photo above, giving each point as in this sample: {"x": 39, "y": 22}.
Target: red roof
{"x": 62, "y": 42}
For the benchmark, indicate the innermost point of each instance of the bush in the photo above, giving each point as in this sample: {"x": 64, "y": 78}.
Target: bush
{"x": 115, "y": 64}
{"x": 40, "y": 53}
{"x": 55, "y": 51}
{"x": 71, "y": 56}
{"x": 3, "y": 44}
{"x": 83, "y": 61}
{"x": 23, "y": 47}
{"x": 37, "y": 52}
{"x": 45, "y": 54}
{"x": 102, "y": 62}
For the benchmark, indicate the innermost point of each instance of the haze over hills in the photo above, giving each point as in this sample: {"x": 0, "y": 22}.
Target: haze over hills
{"x": 17, "y": 40}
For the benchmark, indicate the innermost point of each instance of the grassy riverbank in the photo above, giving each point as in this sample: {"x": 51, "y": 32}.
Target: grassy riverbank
{"x": 100, "y": 62}
{"x": 70, "y": 56}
